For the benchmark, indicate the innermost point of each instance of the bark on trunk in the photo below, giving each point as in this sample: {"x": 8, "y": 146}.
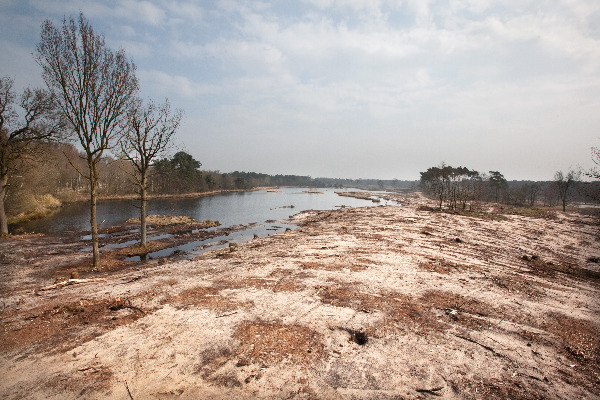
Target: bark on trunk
{"x": 143, "y": 200}
{"x": 93, "y": 222}
{"x": 3, "y": 218}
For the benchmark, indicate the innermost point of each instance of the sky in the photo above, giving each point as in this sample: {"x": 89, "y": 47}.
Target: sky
{"x": 356, "y": 88}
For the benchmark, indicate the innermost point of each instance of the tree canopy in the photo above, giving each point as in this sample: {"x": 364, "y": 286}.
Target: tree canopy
{"x": 446, "y": 183}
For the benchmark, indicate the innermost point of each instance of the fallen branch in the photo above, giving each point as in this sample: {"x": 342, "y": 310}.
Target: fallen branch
{"x": 127, "y": 387}
{"x": 488, "y": 348}
{"x": 135, "y": 278}
{"x": 537, "y": 379}
{"x": 134, "y": 308}
{"x": 433, "y": 391}
{"x": 227, "y": 314}
{"x": 63, "y": 283}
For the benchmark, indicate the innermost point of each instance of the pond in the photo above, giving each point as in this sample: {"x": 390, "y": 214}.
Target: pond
{"x": 260, "y": 213}
{"x": 228, "y": 208}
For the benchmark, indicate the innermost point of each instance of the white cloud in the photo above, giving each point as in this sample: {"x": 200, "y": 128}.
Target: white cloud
{"x": 167, "y": 84}
{"x": 22, "y": 66}
{"x": 185, "y": 10}
{"x": 140, "y": 11}
{"x": 145, "y": 12}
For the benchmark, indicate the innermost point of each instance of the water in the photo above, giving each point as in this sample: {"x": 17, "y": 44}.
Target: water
{"x": 228, "y": 208}
{"x": 261, "y": 208}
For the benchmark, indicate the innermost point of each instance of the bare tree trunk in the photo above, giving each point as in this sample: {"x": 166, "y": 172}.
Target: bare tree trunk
{"x": 3, "y": 218}
{"x": 143, "y": 199}
{"x": 93, "y": 222}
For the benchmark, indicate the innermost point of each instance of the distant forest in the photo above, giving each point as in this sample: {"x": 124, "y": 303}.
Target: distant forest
{"x": 456, "y": 187}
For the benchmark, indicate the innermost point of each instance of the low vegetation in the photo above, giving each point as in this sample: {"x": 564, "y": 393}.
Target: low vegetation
{"x": 35, "y": 207}
{"x": 165, "y": 220}
{"x": 461, "y": 189}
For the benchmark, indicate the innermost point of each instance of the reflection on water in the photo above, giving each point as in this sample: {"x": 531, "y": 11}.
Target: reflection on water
{"x": 260, "y": 211}
{"x": 195, "y": 248}
{"x": 228, "y": 208}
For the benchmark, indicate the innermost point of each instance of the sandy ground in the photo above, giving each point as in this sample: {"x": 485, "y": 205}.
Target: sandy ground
{"x": 384, "y": 302}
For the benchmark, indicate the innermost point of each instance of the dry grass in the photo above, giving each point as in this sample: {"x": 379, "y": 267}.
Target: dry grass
{"x": 441, "y": 266}
{"x": 137, "y": 249}
{"x": 580, "y": 340}
{"x": 165, "y": 220}
{"x": 281, "y": 284}
{"x": 87, "y": 380}
{"x": 270, "y": 343}
{"x": 334, "y": 266}
{"x": 206, "y": 297}
{"x": 35, "y": 207}
{"x": 520, "y": 286}
{"x": 531, "y": 212}
{"x": 475, "y": 212}
{"x": 537, "y": 266}
{"x": 65, "y": 326}
{"x": 402, "y": 313}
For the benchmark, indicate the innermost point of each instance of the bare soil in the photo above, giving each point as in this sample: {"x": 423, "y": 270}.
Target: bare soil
{"x": 388, "y": 302}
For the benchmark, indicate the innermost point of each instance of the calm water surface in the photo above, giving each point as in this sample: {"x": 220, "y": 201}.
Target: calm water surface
{"x": 229, "y": 209}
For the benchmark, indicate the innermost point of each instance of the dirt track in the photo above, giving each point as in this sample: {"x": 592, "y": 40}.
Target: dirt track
{"x": 368, "y": 303}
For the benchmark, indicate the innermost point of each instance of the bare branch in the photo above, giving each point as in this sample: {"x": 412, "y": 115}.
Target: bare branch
{"x": 148, "y": 134}
{"x": 94, "y": 88}
{"x": 21, "y": 132}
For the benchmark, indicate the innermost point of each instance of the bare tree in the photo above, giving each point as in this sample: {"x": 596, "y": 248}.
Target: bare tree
{"x": 593, "y": 190}
{"x": 564, "y": 184}
{"x": 533, "y": 190}
{"x": 94, "y": 87}
{"x": 594, "y": 172}
{"x": 149, "y": 134}
{"x": 20, "y": 133}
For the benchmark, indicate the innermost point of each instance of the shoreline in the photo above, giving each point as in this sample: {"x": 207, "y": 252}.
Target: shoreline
{"x": 182, "y": 195}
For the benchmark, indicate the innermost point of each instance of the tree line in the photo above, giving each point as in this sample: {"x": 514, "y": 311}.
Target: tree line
{"x": 457, "y": 187}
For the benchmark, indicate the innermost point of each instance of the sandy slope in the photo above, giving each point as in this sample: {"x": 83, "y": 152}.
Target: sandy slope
{"x": 370, "y": 303}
